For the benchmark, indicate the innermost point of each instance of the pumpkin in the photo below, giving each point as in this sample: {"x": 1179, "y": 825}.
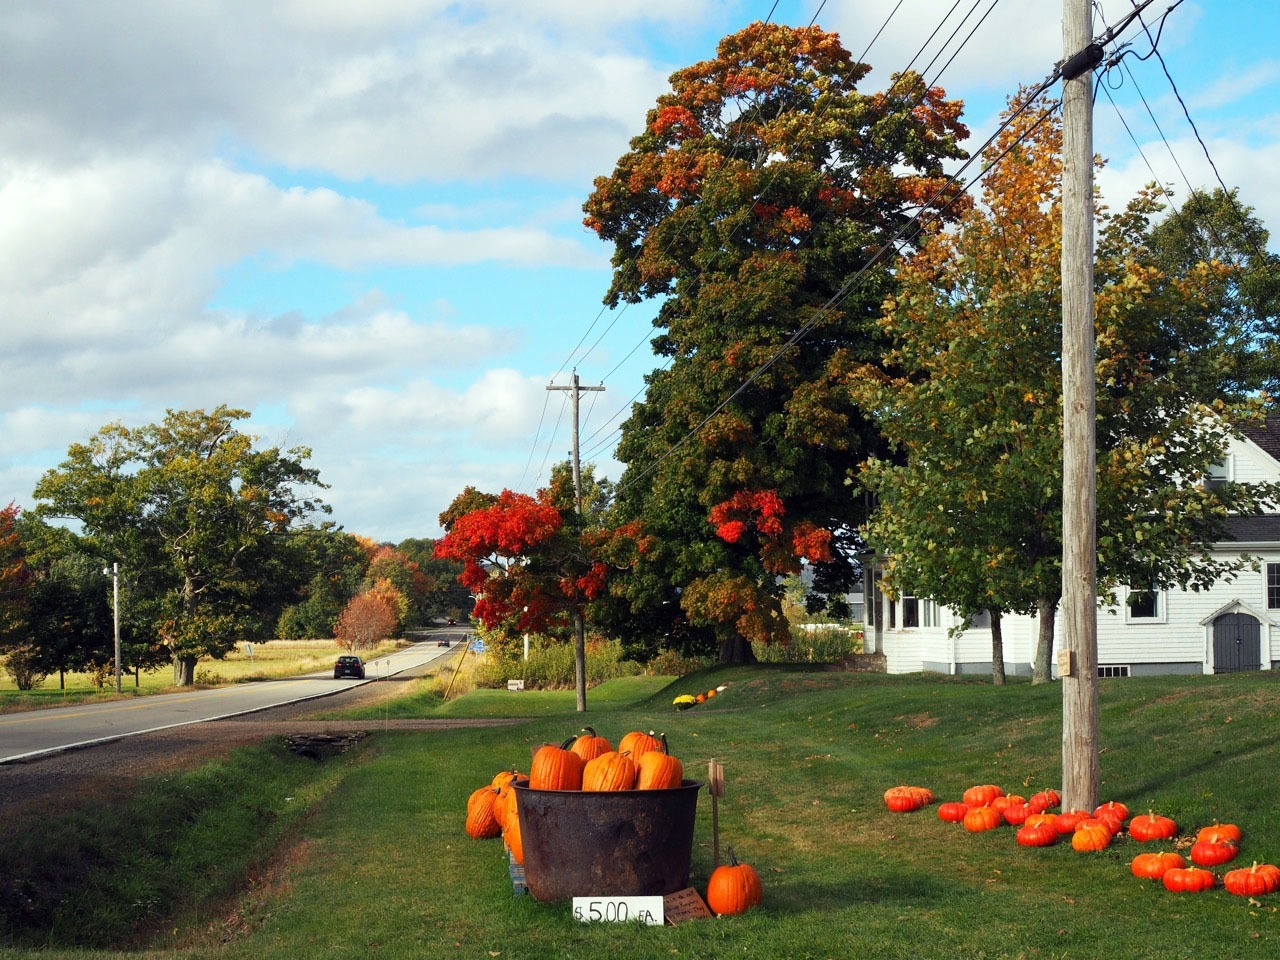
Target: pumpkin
{"x": 734, "y": 887}
{"x": 1221, "y": 833}
{"x": 1113, "y": 821}
{"x": 1036, "y": 819}
{"x": 504, "y": 803}
{"x": 659, "y": 770}
{"x": 589, "y": 745}
{"x": 952, "y": 811}
{"x": 1261, "y": 878}
{"x": 1211, "y": 853}
{"x": 1152, "y": 866}
{"x": 1037, "y": 835}
{"x": 982, "y": 818}
{"x": 1092, "y": 837}
{"x": 1112, "y": 809}
{"x": 1152, "y": 826}
{"x": 511, "y": 835}
{"x": 907, "y": 799}
{"x": 982, "y": 795}
{"x": 637, "y": 743}
{"x": 1016, "y": 813}
{"x": 503, "y": 777}
{"x": 1044, "y": 800}
{"x": 711, "y": 693}
{"x": 1067, "y": 821}
{"x": 481, "y": 821}
{"x": 1187, "y": 879}
{"x": 556, "y": 768}
{"x": 608, "y": 772}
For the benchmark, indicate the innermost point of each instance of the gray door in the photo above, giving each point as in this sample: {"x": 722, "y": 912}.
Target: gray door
{"x": 1237, "y": 643}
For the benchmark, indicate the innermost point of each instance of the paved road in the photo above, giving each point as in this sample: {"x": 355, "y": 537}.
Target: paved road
{"x": 38, "y": 732}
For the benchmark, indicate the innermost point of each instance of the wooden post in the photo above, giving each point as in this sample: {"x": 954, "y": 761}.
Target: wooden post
{"x": 715, "y": 786}
{"x": 1078, "y": 660}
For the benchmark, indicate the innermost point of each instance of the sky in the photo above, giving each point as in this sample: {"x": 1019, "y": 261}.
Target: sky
{"x": 361, "y": 220}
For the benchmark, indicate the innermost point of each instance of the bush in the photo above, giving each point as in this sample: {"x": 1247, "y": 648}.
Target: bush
{"x": 813, "y": 643}
{"x": 673, "y": 663}
{"x": 550, "y": 665}
{"x": 23, "y": 664}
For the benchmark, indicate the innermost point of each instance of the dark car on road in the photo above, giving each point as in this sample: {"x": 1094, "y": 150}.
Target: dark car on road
{"x": 348, "y": 666}
{"x": 442, "y": 642}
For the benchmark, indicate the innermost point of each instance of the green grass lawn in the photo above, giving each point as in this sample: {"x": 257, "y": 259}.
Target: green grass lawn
{"x": 380, "y": 865}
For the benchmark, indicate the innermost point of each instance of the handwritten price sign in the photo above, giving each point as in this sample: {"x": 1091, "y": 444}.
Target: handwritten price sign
{"x": 647, "y": 910}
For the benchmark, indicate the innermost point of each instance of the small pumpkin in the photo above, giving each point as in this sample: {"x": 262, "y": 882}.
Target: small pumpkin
{"x": 1016, "y": 813}
{"x": 637, "y": 743}
{"x": 609, "y": 772}
{"x": 734, "y": 887}
{"x": 982, "y": 795}
{"x": 1221, "y": 833}
{"x": 504, "y": 804}
{"x": 1037, "y": 835}
{"x": 659, "y": 770}
{"x": 1152, "y": 826}
{"x": 481, "y": 821}
{"x": 1211, "y": 853}
{"x": 1089, "y": 838}
{"x": 590, "y": 745}
{"x": 907, "y": 799}
{"x": 1067, "y": 821}
{"x": 503, "y": 777}
{"x": 1036, "y": 819}
{"x": 512, "y": 837}
{"x": 1187, "y": 879}
{"x": 1152, "y": 866}
{"x": 1112, "y": 809}
{"x": 982, "y": 818}
{"x": 556, "y": 768}
{"x": 952, "y": 811}
{"x": 1044, "y": 800}
{"x": 1255, "y": 881}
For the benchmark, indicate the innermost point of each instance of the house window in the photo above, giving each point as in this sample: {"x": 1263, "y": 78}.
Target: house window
{"x": 1114, "y": 670}
{"x": 928, "y": 613}
{"x": 981, "y": 620}
{"x": 910, "y": 612}
{"x": 1218, "y": 474}
{"x": 893, "y": 614}
{"x": 1144, "y": 603}
{"x": 1273, "y": 586}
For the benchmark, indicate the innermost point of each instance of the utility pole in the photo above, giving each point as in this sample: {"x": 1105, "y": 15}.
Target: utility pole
{"x": 579, "y": 627}
{"x": 1078, "y": 658}
{"x": 113, "y": 572}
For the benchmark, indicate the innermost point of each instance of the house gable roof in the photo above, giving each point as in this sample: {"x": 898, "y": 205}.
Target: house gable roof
{"x": 1263, "y": 528}
{"x": 1265, "y": 435}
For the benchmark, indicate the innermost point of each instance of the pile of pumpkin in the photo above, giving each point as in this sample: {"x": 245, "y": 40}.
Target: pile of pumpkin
{"x": 586, "y": 762}
{"x": 987, "y": 806}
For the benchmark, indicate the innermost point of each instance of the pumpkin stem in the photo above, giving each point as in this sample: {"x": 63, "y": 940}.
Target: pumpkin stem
{"x": 590, "y": 731}
{"x": 665, "y": 748}
{"x": 569, "y": 742}
{"x": 733, "y": 859}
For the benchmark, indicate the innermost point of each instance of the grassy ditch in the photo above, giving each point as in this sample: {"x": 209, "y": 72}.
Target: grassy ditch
{"x": 385, "y": 869}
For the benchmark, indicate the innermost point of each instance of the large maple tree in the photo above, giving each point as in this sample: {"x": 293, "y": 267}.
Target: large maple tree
{"x": 762, "y": 184}
{"x": 970, "y": 512}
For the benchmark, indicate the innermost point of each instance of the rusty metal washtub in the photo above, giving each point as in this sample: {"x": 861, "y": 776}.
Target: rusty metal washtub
{"x": 624, "y": 843}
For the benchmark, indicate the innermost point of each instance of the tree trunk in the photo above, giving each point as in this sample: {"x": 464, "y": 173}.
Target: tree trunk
{"x": 1046, "y": 610}
{"x": 580, "y": 659}
{"x": 997, "y": 649}
{"x": 736, "y": 649}
{"x": 184, "y": 670}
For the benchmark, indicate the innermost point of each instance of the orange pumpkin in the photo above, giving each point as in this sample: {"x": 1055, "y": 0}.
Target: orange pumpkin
{"x": 982, "y": 818}
{"x": 556, "y": 768}
{"x": 1044, "y": 800}
{"x": 981, "y": 796}
{"x": 1211, "y": 853}
{"x": 608, "y": 772}
{"x": 1255, "y": 881}
{"x": 589, "y": 745}
{"x": 659, "y": 770}
{"x": 1086, "y": 838}
{"x": 734, "y": 887}
{"x": 1220, "y": 833}
{"x": 511, "y": 834}
{"x": 637, "y": 743}
{"x": 1152, "y": 826}
{"x": 481, "y": 821}
{"x": 1037, "y": 835}
{"x": 1152, "y": 866}
{"x": 952, "y": 811}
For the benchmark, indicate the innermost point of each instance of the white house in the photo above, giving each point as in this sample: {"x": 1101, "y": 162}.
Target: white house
{"x": 1233, "y": 626}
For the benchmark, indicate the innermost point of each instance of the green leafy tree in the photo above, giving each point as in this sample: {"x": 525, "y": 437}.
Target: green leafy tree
{"x": 195, "y": 515}
{"x": 445, "y": 597}
{"x": 763, "y": 182}
{"x": 971, "y": 514}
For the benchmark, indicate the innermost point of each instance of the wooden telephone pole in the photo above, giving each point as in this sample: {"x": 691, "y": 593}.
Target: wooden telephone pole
{"x": 1078, "y": 658}
{"x": 579, "y": 627}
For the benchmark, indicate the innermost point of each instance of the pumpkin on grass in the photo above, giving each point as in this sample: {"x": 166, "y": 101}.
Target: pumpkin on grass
{"x": 1044, "y": 800}
{"x": 1016, "y": 813}
{"x": 481, "y": 821}
{"x": 1153, "y": 866}
{"x": 982, "y": 818}
{"x": 1212, "y": 853}
{"x": 1152, "y": 826}
{"x": 952, "y": 811}
{"x": 982, "y": 795}
{"x": 511, "y": 835}
{"x": 1037, "y": 835}
{"x": 1188, "y": 879}
{"x": 1067, "y": 821}
{"x": 1221, "y": 833}
{"x": 907, "y": 799}
{"x": 1095, "y": 837}
{"x": 734, "y": 887}
{"x": 1255, "y": 881}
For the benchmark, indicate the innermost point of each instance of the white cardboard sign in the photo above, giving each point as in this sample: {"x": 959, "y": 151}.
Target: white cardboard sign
{"x": 647, "y": 910}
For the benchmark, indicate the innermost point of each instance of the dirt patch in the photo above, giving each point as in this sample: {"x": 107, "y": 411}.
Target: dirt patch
{"x": 919, "y": 721}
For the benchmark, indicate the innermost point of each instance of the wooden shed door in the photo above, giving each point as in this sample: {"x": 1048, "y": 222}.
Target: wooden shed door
{"x": 1237, "y": 643}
